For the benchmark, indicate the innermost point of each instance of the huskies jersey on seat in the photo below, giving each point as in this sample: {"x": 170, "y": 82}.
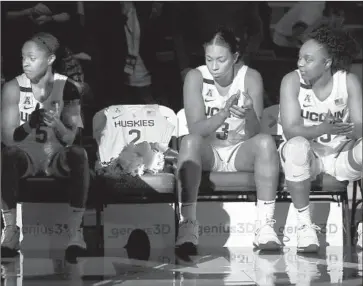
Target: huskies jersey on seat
{"x": 42, "y": 142}
{"x": 313, "y": 112}
{"x": 119, "y": 125}
{"x": 232, "y": 130}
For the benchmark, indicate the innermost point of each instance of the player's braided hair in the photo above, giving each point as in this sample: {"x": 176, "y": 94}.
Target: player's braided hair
{"x": 340, "y": 45}
{"x": 225, "y": 36}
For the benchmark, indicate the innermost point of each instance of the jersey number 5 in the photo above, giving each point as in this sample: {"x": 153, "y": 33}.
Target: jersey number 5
{"x": 41, "y": 135}
{"x": 138, "y": 135}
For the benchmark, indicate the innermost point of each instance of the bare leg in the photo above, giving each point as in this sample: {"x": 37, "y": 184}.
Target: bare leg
{"x": 195, "y": 155}
{"x": 259, "y": 155}
{"x": 74, "y": 158}
{"x": 14, "y": 166}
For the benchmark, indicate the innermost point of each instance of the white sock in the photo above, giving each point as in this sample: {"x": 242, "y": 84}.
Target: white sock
{"x": 265, "y": 210}
{"x": 188, "y": 211}
{"x": 9, "y": 217}
{"x": 75, "y": 218}
{"x": 303, "y": 216}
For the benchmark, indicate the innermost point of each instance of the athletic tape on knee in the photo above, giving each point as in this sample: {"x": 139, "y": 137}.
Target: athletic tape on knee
{"x": 297, "y": 153}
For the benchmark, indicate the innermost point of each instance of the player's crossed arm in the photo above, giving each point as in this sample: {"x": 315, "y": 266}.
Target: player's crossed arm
{"x": 291, "y": 120}
{"x": 66, "y": 126}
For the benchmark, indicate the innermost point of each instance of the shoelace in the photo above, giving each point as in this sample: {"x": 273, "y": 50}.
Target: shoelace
{"x": 185, "y": 223}
{"x": 313, "y": 226}
{"x": 188, "y": 221}
{"x": 269, "y": 222}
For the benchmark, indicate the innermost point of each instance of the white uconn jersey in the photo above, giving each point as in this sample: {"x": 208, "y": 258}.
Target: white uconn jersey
{"x": 313, "y": 112}
{"x": 41, "y": 144}
{"x": 232, "y": 130}
{"x": 119, "y": 125}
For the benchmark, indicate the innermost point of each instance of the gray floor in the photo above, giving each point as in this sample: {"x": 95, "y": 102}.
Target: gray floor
{"x": 223, "y": 266}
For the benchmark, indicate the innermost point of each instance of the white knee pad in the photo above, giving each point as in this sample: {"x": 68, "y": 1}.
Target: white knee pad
{"x": 357, "y": 152}
{"x": 297, "y": 154}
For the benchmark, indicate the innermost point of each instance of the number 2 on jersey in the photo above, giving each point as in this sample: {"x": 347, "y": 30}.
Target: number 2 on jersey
{"x": 138, "y": 135}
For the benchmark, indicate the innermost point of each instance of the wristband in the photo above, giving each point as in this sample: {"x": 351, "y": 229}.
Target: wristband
{"x": 27, "y": 127}
{"x": 21, "y": 132}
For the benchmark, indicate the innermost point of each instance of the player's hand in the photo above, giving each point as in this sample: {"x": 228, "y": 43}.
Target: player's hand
{"x": 156, "y": 10}
{"x": 240, "y": 112}
{"x": 334, "y": 126}
{"x": 41, "y": 9}
{"x": 43, "y": 19}
{"x": 82, "y": 56}
{"x": 36, "y": 117}
{"x": 51, "y": 118}
{"x": 233, "y": 100}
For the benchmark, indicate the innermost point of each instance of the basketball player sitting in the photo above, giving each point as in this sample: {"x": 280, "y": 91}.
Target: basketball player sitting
{"x": 40, "y": 118}
{"x": 223, "y": 106}
{"x": 321, "y": 117}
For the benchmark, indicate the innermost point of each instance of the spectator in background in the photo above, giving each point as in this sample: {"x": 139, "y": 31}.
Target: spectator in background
{"x": 24, "y": 19}
{"x": 194, "y": 21}
{"x": 300, "y": 20}
{"x": 105, "y": 43}
{"x": 115, "y": 77}
{"x": 141, "y": 57}
{"x": 302, "y": 15}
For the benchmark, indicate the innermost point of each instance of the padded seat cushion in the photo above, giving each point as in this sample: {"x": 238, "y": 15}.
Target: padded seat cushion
{"x": 228, "y": 181}
{"x": 326, "y": 183}
{"x": 129, "y": 185}
{"x": 43, "y": 189}
{"x": 162, "y": 183}
{"x": 245, "y": 181}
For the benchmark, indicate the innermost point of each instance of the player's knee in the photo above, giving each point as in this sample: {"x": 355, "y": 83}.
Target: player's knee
{"x": 297, "y": 154}
{"x": 265, "y": 142}
{"x": 297, "y": 150}
{"x": 76, "y": 153}
{"x": 357, "y": 152}
{"x": 192, "y": 141}
{"x": 11, "y": 153}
